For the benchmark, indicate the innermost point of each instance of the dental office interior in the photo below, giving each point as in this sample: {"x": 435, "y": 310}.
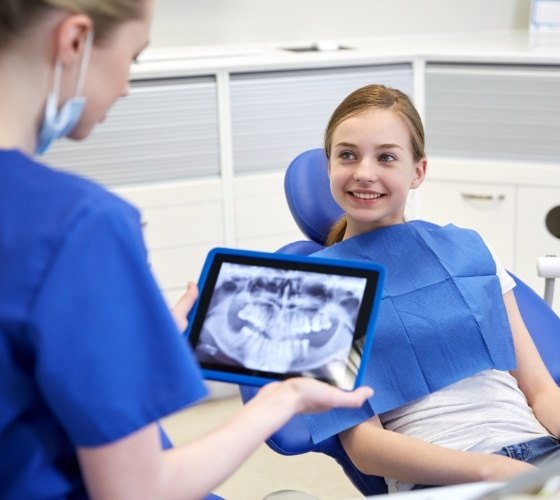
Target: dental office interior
{"x": 230, "y": 91}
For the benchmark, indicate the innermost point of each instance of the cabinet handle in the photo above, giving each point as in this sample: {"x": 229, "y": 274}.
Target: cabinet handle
{"x": 483, "y": 197}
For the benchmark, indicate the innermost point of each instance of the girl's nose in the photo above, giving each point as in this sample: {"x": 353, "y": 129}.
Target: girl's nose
{"x": 365, "y": 171}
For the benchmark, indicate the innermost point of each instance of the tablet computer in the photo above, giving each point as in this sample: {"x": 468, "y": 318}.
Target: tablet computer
{"x": 266, "y": 316}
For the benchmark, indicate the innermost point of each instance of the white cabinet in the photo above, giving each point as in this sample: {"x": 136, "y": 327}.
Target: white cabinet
{"x": 182, "y": 221}
{"x": 263, "y": 219}
{"x": 487, "y": 208}
{"x": 533, "y": 238}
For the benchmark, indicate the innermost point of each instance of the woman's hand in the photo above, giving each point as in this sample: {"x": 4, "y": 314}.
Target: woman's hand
{"x": 184, "y": 305}
{"x": 306, "y": 395}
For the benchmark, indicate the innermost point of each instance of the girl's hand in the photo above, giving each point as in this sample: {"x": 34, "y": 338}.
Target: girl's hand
{"x": 184, "y": 305}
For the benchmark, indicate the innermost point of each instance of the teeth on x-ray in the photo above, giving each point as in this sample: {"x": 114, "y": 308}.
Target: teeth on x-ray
{"x": 280, "y": 321}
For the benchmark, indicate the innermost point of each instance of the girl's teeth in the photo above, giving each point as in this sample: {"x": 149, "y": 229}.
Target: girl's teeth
{"x": 367, "y": 196}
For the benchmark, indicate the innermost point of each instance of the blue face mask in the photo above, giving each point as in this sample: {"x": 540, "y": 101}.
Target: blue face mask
{"x": 58, "y": 123}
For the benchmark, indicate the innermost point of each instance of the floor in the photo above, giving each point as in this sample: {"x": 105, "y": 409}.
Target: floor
{"x": 266, "y": 471}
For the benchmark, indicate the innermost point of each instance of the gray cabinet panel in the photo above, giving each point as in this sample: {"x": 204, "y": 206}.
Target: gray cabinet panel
{"x": 164, "y": 130}
{"x": 493, "y": 112}
{"x": 277, "y": 115}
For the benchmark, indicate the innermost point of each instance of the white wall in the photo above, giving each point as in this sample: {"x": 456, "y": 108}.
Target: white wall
{"x": 207, "y": 22}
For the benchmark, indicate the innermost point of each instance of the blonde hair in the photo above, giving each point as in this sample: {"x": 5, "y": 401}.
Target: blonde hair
{"x": 374, "y": 97}
{"x": 16, "y": 16}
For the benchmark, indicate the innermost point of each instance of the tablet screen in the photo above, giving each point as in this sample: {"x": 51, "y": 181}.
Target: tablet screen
{"x": 263, "y": 317}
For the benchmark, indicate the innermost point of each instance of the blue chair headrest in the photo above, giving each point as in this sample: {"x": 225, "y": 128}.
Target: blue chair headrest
{"x": 309, "y": 197}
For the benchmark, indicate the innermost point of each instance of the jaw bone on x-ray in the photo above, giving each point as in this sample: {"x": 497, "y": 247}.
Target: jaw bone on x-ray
{"x": 281, "y": 320}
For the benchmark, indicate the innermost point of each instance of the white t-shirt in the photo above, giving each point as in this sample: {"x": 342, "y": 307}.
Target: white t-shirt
{"x": 481, "y": 413}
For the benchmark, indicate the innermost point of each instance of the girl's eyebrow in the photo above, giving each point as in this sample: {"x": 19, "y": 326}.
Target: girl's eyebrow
{"x": 345, "y": 145}
{"x": 377, "y": 146}
{"x": 389, "y": 146}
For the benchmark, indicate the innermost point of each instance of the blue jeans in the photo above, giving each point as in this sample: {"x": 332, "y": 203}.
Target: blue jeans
{"x": 536, "y": 452}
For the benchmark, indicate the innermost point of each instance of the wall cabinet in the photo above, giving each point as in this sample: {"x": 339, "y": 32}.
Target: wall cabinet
{"x": 203, "y": 157}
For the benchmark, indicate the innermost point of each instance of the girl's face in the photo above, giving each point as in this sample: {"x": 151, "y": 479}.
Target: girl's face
{"x": 108, "y": 71}
{"x": 372, "y": 168}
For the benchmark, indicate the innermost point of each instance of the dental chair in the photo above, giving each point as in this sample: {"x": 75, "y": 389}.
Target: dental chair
{"x": 305, "y": 183}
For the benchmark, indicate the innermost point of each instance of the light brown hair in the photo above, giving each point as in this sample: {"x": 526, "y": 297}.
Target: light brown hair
{"x": 374, "y": 97}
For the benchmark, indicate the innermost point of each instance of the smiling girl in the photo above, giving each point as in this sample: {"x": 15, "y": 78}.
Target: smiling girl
{"x": 461, "y": 392}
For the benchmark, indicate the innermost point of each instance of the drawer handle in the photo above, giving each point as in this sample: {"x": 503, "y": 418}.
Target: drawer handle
{"x": 483, "y": 197}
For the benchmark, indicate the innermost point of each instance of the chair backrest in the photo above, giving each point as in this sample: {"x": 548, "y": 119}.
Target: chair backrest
{"x": 306, "y": 182}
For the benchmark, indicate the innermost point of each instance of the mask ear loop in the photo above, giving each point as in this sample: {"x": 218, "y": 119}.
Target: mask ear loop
{"x": 84, "y": 64}
{"x": 83, "y": 69}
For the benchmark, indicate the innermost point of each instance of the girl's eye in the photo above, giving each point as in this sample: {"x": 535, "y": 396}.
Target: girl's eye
{"x": 347, "y": 155}
{"x": 387, "y": 158}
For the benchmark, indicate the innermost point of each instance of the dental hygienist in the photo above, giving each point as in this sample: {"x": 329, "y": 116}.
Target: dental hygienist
{"x": 90, "y": 356}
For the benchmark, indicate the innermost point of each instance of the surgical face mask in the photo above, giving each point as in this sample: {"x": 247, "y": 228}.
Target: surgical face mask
{"x": 59, "y": 123}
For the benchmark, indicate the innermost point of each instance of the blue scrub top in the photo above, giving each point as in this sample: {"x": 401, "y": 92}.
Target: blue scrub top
{"x": 88, "y": 350}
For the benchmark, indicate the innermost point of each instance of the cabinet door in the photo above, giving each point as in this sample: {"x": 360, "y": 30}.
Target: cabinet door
{"x": 277, "y": 115}
{"x": 264, "y": 221}
{"x": 486, "y": 208}
{"x": 534, "y": 239}
{"x": 182, "y": 221}
{"x": 164, "y": 130}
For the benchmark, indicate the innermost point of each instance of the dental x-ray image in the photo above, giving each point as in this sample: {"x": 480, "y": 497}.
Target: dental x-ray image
{"x": 282, "y": 321}
{"x": 270, "y": 316}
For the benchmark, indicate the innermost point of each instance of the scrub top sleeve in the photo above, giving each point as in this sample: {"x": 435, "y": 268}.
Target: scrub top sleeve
{"x": 110, "y": 359}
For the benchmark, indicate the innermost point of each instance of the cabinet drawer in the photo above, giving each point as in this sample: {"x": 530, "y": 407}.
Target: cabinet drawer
{"x": 486, "y": 208}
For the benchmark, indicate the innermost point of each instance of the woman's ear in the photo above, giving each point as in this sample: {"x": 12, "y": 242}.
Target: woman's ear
{"x": 419, "y": 173}
{"x": 71, "y": 38}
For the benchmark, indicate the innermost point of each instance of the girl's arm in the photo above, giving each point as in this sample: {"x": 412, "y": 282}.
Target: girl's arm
{"x": 532, "y": 376}
{"x": 136, "y": 467}
{"x": 380, "y": 452}
{"x": 377, "y": 451}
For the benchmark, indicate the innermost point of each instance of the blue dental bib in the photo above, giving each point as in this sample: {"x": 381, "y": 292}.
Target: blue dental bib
{"x": 441, "y": 318}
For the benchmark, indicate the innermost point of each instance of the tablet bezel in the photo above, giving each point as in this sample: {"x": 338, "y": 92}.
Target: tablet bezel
{"x": 373, "y": 273}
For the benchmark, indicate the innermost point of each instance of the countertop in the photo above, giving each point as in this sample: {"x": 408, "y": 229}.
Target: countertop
{"x": 513, "y": 47}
